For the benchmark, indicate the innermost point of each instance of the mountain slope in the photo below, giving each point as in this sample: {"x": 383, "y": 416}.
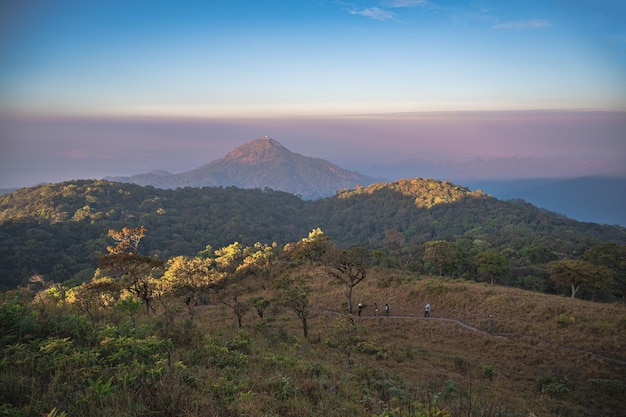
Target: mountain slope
{"x": 261, "y": 163}
{"x": 60, "y": 230}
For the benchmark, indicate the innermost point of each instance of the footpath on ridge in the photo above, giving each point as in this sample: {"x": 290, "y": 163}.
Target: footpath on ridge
{"x": 485, "y": 332}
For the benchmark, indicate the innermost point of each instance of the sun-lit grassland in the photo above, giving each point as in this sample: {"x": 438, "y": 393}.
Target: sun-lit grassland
{"x": 548, "y": 355}
{"x": 542, "y": 347}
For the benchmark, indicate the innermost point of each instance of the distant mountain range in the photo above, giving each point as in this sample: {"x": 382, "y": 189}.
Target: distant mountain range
{"x": 588, "y": 199}
{"x": 265, "y": 163}
{"x": 261, "y": 163}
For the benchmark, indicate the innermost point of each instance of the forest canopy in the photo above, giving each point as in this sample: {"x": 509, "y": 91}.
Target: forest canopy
{"x": 59, "y": 231}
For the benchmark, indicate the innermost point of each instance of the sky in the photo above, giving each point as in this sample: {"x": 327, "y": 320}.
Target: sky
{"x": 120, "y": 87}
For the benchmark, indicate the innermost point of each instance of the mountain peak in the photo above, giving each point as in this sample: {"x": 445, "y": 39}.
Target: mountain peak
{"x": 262, "y": 163}
{"x": 258, "y": 150}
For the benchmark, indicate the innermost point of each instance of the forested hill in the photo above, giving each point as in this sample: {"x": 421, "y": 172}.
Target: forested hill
{"x": 60, "y": 230}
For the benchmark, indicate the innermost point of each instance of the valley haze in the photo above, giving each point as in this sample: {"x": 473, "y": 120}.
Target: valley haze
{"x": 265, "y": 163}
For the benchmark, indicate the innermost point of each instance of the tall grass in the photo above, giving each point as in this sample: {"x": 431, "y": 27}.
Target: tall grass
{"x": 548, "y": 356}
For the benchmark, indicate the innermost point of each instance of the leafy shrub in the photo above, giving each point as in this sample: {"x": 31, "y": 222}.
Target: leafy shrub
{"x": 563, "y": 320}
{"x": 489, "y": 371}
{"x": 241, "y": 342}
{"x": 556, "y": 387}
{"x": 282, "y": 387}
{"x": 610, "y": 387}
{"x": 222, "y": 357}
{"x": 17, "y": 322}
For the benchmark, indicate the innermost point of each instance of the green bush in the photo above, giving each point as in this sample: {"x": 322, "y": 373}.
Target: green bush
{"x": 17, "y": 322}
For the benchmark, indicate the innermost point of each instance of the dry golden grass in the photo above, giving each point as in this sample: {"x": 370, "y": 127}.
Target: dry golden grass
{"x": 536, "y": 336}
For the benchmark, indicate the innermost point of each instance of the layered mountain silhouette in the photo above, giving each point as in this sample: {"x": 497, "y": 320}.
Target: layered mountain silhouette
{"x": 261, "y": 163}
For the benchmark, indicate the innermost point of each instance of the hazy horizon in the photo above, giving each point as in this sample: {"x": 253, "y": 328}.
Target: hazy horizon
{"x": 94, "y": 89}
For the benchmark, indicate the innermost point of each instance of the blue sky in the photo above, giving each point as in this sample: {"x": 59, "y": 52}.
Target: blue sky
{"x": 248, "y": 58}
{"x": 81, "y": 80}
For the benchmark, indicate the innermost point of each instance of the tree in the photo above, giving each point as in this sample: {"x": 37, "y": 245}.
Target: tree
{"x": 534, "y": 255}
{"x": 185, "y": 274}
{"x": 94, "y": 297}
{"x": 313, "y": 247}
{"x": 577, "y": 273}
{"x": 260, "y": 304}
{"x": 348, "y": 266}
{"x": 396, "y": 245}
{"x": 230, "y": 297}
{"x": 257, "y": 262}
{"x": 127, "y": 239}
{"x": 294, "y": 294}
{"x": 612, "y": 256}
{"x": 134, "y": 272}
{"x": 137, "y": 274}
{"x": 342, "y": 335}
{"x": 491, "y": 264}
{"x": 441, "y": 253}
{"x": 230, "y": 257}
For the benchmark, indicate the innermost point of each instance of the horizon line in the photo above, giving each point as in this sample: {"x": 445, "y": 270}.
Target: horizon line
{"x": 30, "y": 115}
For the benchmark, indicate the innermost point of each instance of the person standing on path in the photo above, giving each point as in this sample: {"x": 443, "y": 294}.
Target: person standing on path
{"x": 375, "y": 309}
{"x": 427, "y": 310}
{"x": 490, "y": 324}
{"x": 387, "y": 309}
{"x": 360, "y": 309}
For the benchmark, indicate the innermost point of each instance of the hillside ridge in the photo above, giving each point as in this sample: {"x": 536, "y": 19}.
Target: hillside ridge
{"x": 67, "y": 223}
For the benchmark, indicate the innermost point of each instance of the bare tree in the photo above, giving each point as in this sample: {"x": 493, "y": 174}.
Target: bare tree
{"x": 348, "y": 266}
{"x": 231, "y": 297}
{"x": 294, "y": 293}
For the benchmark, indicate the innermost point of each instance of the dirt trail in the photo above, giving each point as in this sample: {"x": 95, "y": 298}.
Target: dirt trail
{"x": 497, "y": 335}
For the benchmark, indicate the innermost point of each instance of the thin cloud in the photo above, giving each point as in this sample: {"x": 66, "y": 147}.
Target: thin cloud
{"x": 374, "y": 13}
{"x": 523, "y": 25}
{"x": 383, "y": 14}
{"x": 483, "y": 17}
{"x": 405, "y": 3}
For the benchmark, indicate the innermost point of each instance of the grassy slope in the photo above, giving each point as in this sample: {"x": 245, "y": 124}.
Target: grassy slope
{"x": 537, "y": 338}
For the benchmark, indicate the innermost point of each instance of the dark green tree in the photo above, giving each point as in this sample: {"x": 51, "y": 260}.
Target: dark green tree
{"x": 577, "y": 274}
{"x": 260, "y": 304}
{"x": 612, "y": 256}
{"x": 491, "y": 265}
{"x": 442, "y": 253}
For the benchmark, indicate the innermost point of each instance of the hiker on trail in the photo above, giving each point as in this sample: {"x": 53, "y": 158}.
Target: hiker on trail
{"x": 387, "y": 309}
{"x": 360, "y": 309}
{"x": 427, "y": 310}
{"x": 490, "y": 324}
{"x": 375, "y": 309}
